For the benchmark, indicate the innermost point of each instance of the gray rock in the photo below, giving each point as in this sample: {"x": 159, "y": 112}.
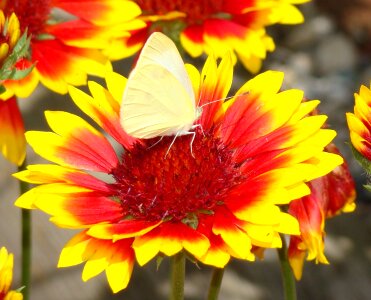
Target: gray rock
{"x": 335, "y": 53}
{"x": 310, "y": 32}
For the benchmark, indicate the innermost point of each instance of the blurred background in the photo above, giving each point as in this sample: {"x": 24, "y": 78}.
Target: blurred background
{"x": 329, "y": 57}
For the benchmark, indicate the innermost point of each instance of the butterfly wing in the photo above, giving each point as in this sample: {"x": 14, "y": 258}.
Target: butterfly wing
{"x": 161, "y": 50}
{"x": 159, "y": 98}
{"x": 155, "y": 103}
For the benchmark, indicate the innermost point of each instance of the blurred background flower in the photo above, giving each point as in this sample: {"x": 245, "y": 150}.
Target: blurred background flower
{"x": 6, "y": 276}
{"x": 66, "y": 40}
{"x": 359, "y": 124}
{"x": 330, "y": 195}
{"x": 66, "y": 37}
{"x": 219, "y": 25}
{"x": 360, "y": 130}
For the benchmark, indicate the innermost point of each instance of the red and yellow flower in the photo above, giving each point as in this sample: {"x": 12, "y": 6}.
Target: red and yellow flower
{"x": 217, "y": 26}
{"x": 330, "y": 195}
{"x": 359, "y": 123}
{"x": 255, "y": 152}
{"x": 6, "y": 275}
{"x": 66, "y": 39}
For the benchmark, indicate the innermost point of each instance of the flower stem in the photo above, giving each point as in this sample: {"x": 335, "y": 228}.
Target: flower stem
{"x": 288, "y": 279}
{"x": 216, "y": 282}
{"x": 26, "y": 240}
{"x": 177, "y": 276}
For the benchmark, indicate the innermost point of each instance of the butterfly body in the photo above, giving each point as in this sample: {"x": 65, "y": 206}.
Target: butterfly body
{"x": 159, "y": 98}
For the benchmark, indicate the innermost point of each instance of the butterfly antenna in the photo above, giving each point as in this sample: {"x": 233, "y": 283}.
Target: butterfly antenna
{"x": 211, "y": 102}
{"x": 223, "y": 99}
{"x": 199, "y": 98}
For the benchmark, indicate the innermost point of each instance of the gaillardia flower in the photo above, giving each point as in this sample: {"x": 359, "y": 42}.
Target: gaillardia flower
{"x": 359, "y": 124}
{"x": 250, "y": 154}
{"x": 6, "y": 275}
{"x": 330, "y": 195}
{"x": 66, "y": 42}
{"x": 66, "y": 39}
{"x": 218, "y": 26}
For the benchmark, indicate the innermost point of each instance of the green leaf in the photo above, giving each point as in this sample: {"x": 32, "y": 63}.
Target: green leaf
{"x": 192, "y": 259}
{"x": 364, "y": 162}
{"x": 159, "y": 260}
{"x": 45, "y": 36}
{"x": 20, "y": 50}
{"x": 22, "y": 46}
{"x": 367, "y": 187}
{"x": 20, "y": 289}
{"x": 9, "y": 62}
{"x": 2, "y": 89}
{"x": 191, "y": 220}
{"x": 19, "y": 74}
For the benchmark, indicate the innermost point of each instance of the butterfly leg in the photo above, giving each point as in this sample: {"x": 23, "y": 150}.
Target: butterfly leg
{"x": 197, "y": 126}
{"x": 192, "y": 140}
{"x": 172, "y": 143}
{"x": 193, "y": 133}
{"x": 183, "y": 133}
{"x": 202, "y": 130}
{"x": 155, "y": 143}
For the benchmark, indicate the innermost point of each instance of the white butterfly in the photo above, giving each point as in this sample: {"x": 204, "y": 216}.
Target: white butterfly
{"x": 159, "y": 98}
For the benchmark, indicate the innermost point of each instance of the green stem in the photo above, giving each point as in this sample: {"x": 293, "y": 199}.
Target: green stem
{"x": 26, "y": 240}
{"x": 216, "y": 282}
{"x": 177, "y": 276}
{"x": 288, "y": 279}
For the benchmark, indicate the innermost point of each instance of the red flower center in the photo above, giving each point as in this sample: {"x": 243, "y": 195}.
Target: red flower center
{"x": 31, "y": 14}
{"x": 196, "y": 11}
{"x": 153, "y": 184}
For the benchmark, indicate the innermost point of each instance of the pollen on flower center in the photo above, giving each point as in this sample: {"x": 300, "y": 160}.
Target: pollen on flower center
{"x": 31, "y": 14}
{"x": 201, "y": 10}
{"x": 152, "y": 185}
